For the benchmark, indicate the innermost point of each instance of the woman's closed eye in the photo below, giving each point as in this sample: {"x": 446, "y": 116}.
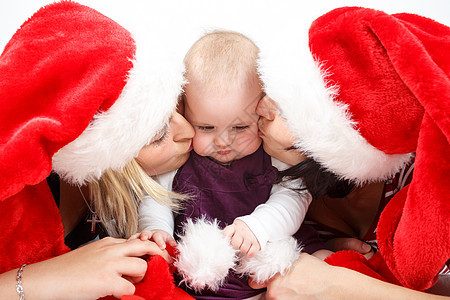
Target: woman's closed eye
{"x": 161, "y": 137}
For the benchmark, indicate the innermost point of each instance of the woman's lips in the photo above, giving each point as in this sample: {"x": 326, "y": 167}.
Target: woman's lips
{"x": 190, "y": 147}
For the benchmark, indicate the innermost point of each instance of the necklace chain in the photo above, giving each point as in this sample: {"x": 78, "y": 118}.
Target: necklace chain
{"x": 94, "y": 219}
{"x": 85, "y": 201}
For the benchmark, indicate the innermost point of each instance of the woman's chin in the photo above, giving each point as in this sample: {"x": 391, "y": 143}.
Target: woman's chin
{"x": 268, "y": 150}
{"x": 184, "y": 158}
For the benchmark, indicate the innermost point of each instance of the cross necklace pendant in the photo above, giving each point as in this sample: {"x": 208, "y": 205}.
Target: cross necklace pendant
{"x": 93, "y": 218}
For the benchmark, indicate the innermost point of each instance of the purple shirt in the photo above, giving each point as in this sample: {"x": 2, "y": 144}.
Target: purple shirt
{"x": 225, "y": 193}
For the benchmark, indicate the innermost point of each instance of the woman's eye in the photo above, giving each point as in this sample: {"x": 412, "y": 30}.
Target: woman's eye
{"x": 205, "y": 128}
{"x": 161, "y": 137}
{"x": 291, "y": 148}
{"x": 240, "y": 128}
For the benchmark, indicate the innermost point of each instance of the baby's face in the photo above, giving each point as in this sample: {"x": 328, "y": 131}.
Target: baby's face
{"x": 225, "y": 120}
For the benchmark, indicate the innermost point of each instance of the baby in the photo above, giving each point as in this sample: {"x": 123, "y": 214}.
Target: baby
{"x": 228, "y": 175}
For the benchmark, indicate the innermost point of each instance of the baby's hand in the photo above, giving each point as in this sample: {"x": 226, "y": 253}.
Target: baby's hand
{"x": 242, "y": 238}
{"x": 160, "y": 237}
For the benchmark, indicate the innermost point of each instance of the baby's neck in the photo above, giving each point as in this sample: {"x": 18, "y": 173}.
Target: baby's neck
{"x": 227, "y": 164}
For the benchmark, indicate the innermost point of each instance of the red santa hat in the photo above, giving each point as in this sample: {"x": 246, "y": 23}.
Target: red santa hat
{"x": 78, "y": 94}
{"x": 76, "y": 83}
{"x": 372, "y": 91}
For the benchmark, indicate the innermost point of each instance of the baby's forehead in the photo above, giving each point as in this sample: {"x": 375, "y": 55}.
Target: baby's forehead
{"x": 223, "y": 113}
{"x": 224, "y": 95}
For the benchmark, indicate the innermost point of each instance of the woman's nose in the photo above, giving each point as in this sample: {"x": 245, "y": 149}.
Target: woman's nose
{"x": 181, "y": 128}
{"x": 266, "y": 108}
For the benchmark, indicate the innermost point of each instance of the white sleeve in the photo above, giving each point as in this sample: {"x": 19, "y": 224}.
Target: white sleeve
{"x": 153, "y": 215}
{"x": 282, "y": 214}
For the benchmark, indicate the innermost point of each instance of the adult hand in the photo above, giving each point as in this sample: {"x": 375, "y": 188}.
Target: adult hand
{"x": 106, "y": 267}
{"x": 305, "y": 280}
{"x": 312, "y": 278}
{"x": 242, "y": 238}
{"x": 350, "y": 244}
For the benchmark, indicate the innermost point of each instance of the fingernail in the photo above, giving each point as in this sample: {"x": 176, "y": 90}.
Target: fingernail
{"x": 366, "y": 247}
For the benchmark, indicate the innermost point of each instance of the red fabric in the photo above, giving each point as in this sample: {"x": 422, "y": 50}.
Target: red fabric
{"x": 66, "y": 63}
{"x": 414, "y": 229}
{"x": 31, "y": 228}
{"x": 374, "y": 267}
{"x": 158, "y": 283}
{"x": 57, "y": 72}
{"x": 130, "y": 297}
{"x": 393, "y": 73}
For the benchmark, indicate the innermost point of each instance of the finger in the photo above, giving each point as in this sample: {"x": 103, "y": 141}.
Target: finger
{"x": 369, "y": 255}
{"x": 122, "y": 287}
{"x": 365, "y": 247}
{"x": 167, "y": 257}
{"x": 130, "y": 279}
{"x": 236, "y": 242}
{"x": 109, "y": 241}
{"x": 146, "y": 235}
{"x": 245, "y": 246}
{"x": 256, "y": 285}
{"x": 347, "y": 244}
{"x": 171, "y": 241}
{"x": 139, "y": 248}
{"x": 133, "y": 267}
{"x": 159, "y": 240}
{"x": 134, "y": 236}
{"x": 228, "y": 231}
{"x": 334, "y": 245}
{"x": 252, "y": 251}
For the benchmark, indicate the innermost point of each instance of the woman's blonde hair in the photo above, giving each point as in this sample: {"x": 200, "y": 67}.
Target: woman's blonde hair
{"x": 118, "y": 194}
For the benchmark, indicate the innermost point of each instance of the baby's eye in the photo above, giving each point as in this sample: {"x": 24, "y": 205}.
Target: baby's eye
{"x": 240, "y": 128}
{"x": 206, "y": 128}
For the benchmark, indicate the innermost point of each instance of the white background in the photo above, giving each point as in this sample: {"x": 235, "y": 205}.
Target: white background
{"x": 14, "y": 13}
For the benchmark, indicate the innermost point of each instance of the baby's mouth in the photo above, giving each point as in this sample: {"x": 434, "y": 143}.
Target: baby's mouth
{"x": 224, "y": 152}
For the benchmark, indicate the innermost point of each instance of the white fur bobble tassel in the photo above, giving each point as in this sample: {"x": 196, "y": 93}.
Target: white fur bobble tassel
{"x": 276, "y": 257}
{"x": 205, "y": 255}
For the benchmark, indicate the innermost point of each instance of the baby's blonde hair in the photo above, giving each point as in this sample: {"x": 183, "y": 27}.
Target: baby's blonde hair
{"x": 118, "y": 194}
{"x": 222, "y": 58}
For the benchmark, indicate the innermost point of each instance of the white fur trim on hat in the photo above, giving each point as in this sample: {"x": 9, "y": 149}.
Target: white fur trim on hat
{"x": 116, "y": 136}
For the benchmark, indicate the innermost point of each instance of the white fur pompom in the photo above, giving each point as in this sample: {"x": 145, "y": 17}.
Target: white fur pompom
{"x": 276, "y": 257}
{"x": 205, "y": 255}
